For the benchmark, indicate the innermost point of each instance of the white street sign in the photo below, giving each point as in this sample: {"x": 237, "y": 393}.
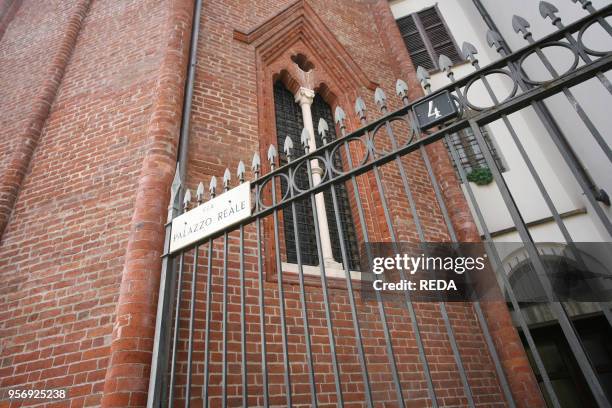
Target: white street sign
{"x": 223, "y": 211}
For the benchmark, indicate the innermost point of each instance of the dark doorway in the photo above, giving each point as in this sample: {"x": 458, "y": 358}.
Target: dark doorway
{"x": 568, "y": 382}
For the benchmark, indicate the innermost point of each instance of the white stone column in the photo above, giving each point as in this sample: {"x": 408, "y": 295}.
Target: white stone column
{"x": 305, "y": 97}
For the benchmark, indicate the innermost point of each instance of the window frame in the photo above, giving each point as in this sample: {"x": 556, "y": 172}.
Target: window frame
{"x": 466, "y": 143}
{"x": 354, "y": 257}
{"x": 433, "y": 55}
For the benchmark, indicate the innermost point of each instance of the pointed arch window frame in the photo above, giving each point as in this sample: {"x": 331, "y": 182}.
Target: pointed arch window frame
{"x": 338, "y": 78}
{"x": 285, "y": 104}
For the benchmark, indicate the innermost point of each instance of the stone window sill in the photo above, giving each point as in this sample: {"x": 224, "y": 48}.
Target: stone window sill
{"x": 333, "y": 271}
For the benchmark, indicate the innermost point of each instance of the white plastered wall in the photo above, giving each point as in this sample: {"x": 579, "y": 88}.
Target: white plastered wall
{"x": 466, "y": 24}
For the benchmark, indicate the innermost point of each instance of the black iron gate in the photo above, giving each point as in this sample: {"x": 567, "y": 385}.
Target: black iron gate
{"x": 242, "y": 260}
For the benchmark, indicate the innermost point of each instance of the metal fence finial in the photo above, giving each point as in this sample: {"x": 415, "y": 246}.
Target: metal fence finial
{"x": 585, "y": 3}
{"x": 176, "y": 182}
{"x": 227, "y": 177}
{"x": 469, "y": 52}
{"x": 200, "y": 193}
{"x": 380, "y": 99}
{"x": 548, "y": 10}
{"x": 446, "y": 65}
{"x": 495, "y": 41}
{"x": 256, "y": 164}
{"x": 323, "y": 130}
{"x": 305, "y": 139}
{"x": 240, "y": 172}
{"x": 272, "y": 155}
{"x": 288, "y": 147}
{"x": 340, "y": 117}
{"x": 360, "y": 108}
{"x": 187, "y": 199}
{"x": 401, "y": 89}
{"x": 212, "y": 187}
{"x": 520, "y": 25}
{"x": 423, "y": 77}
{"x": 174, "y": 193}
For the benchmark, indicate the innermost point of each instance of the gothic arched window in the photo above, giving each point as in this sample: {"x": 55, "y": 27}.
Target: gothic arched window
{"x": 289, "y": 122}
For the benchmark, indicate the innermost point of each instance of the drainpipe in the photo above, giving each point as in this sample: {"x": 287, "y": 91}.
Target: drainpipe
{"x": 161, "y": 344}
{"x": 542, "y": 111}
{"x": 183, "y": 147}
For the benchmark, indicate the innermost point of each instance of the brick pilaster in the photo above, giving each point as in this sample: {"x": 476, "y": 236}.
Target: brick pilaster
{"x": 8, "y": 8}
{"x": 19, "y": 161}
{"x": 127, "y": 375}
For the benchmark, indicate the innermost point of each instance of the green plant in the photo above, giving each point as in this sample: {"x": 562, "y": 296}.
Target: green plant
{"x": 481, "y": 176}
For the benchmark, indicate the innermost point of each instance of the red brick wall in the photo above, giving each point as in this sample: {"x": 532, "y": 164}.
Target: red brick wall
{"x": 63, "y": 252}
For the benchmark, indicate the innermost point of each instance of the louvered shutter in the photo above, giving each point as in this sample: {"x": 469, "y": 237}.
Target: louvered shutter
{"x": 414, "y": 43}
{"x": 426, "y": 37}
{"x": 439, "y": 37}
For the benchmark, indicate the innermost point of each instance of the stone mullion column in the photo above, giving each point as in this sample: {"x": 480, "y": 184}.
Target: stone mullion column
{"x": 304, "y": 97}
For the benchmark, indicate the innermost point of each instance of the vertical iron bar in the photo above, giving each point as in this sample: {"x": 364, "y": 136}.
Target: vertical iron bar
{"x": 262, "y": 314}
{"x": 547, "y": 199}
{"x": 602, "y": 21}
{"x": 413, "y": 317}
{"x": 224, "y": 321}
{"x": 451, "y": 229}
{"x": 349, "y": 285}
{"x": 443, "y": 311}
{"x": 296, "y": 236}
{"x": 438, "y": 195}
{"x": 176, "y": 328}
{"x": 479, "y": 314}
{"x": 419, "y": 228}
{"x": 586, "y": 184}
{"x": 585, "y": 57}
{"x": 326, "y": 302}
{"x": 161, "y": 342}
{"x": 207, "y": 323}
{"x": 493, "y": 254}
{"x": 567, "y": 152}
{"x": 281, "y": 298}
{"x": 245, "y": 391}
{"x": 575, "y": 104}
{"x": 379, "y": 300}
{"x": 566, "y": 325}
{"x": 191, "y": 321}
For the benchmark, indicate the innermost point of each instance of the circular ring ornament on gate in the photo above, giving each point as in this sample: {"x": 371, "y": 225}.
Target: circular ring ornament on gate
{"x": 391, "y": 136}
{"x": 265, "y": 183}
{"x": 572, "y": 67}
{"x": 460, "y": 106}
{"x": 301, "y": 165}
{"x": 481, "y": 78}
{"x": 581, "y": 39}
{"x": 344, "y": 144}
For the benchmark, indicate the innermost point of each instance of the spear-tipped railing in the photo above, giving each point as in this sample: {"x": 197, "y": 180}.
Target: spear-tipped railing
{"x": 324, "y": 174}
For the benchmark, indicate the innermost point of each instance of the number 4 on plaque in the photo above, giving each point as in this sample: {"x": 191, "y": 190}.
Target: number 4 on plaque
{"x": 433, "y": 111}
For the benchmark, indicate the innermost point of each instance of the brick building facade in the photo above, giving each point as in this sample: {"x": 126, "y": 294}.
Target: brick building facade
{"x": 91, "y": 95}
